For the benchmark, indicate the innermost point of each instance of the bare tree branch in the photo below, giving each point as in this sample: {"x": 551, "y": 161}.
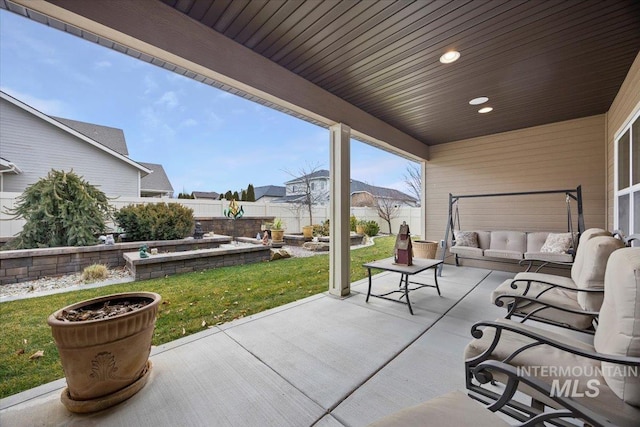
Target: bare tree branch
{"x": 413, "y": 179}
{"x": 387, "y": 209}
{"x": 309, "y": 195}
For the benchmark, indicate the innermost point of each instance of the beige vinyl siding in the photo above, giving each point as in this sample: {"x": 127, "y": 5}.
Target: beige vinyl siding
{"x": 567, "y": 154}
{"x": 622, "y": 108}
{"x": 37, "y": 146}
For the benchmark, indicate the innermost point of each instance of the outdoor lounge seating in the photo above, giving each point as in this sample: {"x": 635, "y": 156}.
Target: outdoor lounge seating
{"x": 512, "y": 245}
{"x": 608, "y": 369}
{"x": 570, "y": 302}
{"x": 457, "y": 409}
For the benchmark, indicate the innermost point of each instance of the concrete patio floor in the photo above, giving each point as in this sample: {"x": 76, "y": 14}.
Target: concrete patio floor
{"x": 321, "y": 361}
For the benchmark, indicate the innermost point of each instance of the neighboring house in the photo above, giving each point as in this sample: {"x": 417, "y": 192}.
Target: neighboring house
{"x": 269, "y": 193}
{"x": 362, "y": 194}
{"x": 156, "y": 184}
{"x": 205, "y": 195}
{"x": 32, "y": 143}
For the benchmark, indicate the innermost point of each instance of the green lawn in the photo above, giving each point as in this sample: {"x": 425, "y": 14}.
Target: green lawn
{"x": 191, "y": 302}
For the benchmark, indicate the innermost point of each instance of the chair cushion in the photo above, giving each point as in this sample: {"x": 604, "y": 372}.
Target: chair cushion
{"x": 548, "y": 256}
{"x": 451, "y": 409}
{"x": 619, "y": 326}
{"x": 466, "y": 251}
{"x": 585, "y": 237}
{"x": 503, "y": 253}
{"x": 549, "y": 363}
{"x": 515, "y": 241}
{"x": 557, "y": 243}
{"x": 466, "y": 238}
{"x": 535, "y": 240}
{"x": 596, "y": 253}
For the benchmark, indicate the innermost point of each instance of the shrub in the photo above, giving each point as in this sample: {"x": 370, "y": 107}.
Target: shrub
{"x": 353, "y": 221}
{"x": 94, "y": 273}
{"x": 371, "y": 228}
{"x": 321, "y": 229}
{"x": 155, "y": 221}
{"x": 61, "y": 209}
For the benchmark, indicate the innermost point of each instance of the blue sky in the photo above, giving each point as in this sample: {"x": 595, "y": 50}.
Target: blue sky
{"x": 206, "y": 139}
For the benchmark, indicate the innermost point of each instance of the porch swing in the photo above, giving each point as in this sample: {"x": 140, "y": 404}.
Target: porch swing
{"x": 495, "y": 255}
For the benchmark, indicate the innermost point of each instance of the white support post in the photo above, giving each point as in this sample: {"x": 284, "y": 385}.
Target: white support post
{"x": 340, "y": 186}
{"x": 423, "y": 199}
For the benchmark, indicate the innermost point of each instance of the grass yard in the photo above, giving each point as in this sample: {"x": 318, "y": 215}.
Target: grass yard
{"x": 191, "y": 303}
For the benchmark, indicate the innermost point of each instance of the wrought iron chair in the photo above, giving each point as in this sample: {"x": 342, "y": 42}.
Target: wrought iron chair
{"x": 569, "y": 302}
{"x": 604, "y": 377}
{"x": 458, "y": 409}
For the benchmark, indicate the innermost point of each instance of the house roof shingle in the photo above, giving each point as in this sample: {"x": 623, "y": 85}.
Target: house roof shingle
{"x": 105, "y": 135}
{"x": 209, "y": 195}
{"x": 156, "y": 181}
{"x": 269, "y": 191}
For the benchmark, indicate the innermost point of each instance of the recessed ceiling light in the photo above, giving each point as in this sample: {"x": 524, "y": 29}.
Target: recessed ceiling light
{"x": 450, "y": 57}
{"x": 485, "y": 110}
{"x": 479, "y": 100}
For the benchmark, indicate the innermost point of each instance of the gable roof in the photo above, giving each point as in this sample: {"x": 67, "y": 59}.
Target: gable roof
{"x": 72, "y": 131}
{"x": 157, "y": 180}
{"x": 210, "y": 195}
{"x": 105, "y": 135}
{"x": 269, "y": 191}
{"x": 359, "y": 186}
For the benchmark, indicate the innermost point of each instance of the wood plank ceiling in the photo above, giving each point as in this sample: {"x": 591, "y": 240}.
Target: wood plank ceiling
{"x": 537, "y": 61}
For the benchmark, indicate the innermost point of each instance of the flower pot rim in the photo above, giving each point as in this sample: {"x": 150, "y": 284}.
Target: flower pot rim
{"x": 425, "y": 241}
{"x": 155, "y": 298}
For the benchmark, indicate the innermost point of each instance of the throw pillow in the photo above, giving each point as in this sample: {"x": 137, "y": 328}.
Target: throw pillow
{"x": 466, "y": 238}
{"x": 557, "y": 243}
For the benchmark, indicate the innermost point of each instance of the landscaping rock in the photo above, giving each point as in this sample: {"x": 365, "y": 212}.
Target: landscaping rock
{"x": 316, "y": 246}
{"x": 277, "y": 254}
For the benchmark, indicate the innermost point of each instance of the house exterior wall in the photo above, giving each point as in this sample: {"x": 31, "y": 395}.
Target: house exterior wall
{"x": 319, "y": 190}
{"x": 623, "y": 106}
{"x": 567, "y": 154}
{"x": 37, "y": 147}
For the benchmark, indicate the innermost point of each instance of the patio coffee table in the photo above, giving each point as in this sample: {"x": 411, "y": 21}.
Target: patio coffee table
{"x": 419, "y": 265}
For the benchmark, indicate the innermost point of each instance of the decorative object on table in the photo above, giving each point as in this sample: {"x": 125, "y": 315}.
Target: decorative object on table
{"x": 104, "y": 345}
{"x": 144, "y": 251}
{"x": 198, "y": 231}
{"x": 265, "y": 238}
{"x": 154, "y": 251}
{"x": 403, "y": 251}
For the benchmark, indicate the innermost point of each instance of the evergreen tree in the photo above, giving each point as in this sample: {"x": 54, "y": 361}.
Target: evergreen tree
{"x": 61, "y": 209}
{"x": 251, "y": 193}
{"x": 235, "y": 195}
{"x": 243, "y": 195}
{"x": 228, "y": 195}
{"x": 221, "y": 197}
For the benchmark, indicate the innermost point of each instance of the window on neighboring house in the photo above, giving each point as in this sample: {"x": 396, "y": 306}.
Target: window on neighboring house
{"x": 313, "y": 186}
{"x": 627, "y": 178}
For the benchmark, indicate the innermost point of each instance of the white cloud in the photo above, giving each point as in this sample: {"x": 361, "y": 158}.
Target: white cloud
{"x": 149, "y": 84}
{"x": 51, "y": 107}
{"x": 168, "y": 100}
{"x": 103, "y": 64}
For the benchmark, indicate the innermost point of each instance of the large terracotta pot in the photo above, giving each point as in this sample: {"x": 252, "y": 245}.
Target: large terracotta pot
{"x": 277, "y": 236}
{"x": 105, "y": 361}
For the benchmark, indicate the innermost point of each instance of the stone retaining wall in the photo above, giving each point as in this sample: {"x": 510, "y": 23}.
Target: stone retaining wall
{"x": 162, "y": 265}
{"x": 31, "y": 264}
{"x": 243, "y": 227}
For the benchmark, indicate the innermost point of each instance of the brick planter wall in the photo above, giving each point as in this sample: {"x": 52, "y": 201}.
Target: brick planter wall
{"x": 32, "y": 264}
{"x": 243, "y": 227}
{"x": 162, "y": 265}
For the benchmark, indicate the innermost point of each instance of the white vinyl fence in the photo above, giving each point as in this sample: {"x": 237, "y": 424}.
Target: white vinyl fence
{"x": 293, "y": 219}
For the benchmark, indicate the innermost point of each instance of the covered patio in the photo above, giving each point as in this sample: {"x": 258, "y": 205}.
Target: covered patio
{"x": 321, "y": 361}
{"x": 563, "y": 79}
